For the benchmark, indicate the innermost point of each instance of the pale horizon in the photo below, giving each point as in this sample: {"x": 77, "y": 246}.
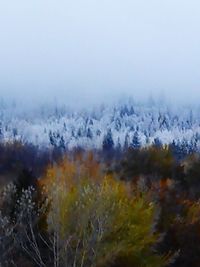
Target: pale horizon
{"x": 89, "y": 51}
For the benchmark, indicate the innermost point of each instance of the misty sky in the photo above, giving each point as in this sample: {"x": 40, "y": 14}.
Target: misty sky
{"x": 97, "y": 49}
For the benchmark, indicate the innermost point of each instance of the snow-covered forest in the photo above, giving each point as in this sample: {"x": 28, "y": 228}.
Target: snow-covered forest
{"x": 126, "y": 123}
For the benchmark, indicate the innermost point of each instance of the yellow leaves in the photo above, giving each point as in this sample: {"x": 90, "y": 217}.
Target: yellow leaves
{"x": 70, "y": 172}
{"x": 193, "y": 212}
{"x": 97, "y": 215}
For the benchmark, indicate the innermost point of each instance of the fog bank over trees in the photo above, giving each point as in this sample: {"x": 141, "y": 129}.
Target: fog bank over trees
{"x": 90, "y": 51}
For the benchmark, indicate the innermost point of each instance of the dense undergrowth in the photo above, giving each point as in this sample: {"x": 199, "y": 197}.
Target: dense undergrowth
{"x": 137, "y": 208}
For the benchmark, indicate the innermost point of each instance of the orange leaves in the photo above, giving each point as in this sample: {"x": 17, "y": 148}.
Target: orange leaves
{"x": 70, "y": 172}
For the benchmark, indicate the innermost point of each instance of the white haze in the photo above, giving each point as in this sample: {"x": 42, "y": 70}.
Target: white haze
{"x": 87, "y": 51}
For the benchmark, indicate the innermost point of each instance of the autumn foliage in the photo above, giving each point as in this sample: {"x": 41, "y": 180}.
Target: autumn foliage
{"x": 84, "y": 210}
{"x": 95, "y": 219}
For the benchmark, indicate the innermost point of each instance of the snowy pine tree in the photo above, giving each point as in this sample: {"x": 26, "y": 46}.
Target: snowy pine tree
{"x": 108, "y": 143}
{"x": 135, "y": 143}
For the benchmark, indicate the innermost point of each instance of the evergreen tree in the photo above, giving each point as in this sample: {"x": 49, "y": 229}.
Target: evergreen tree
{"x": 89, "y": 133}
{"x": 98, "y": 132}
{"x": 79, "y": 133}
{"x": 157, "y": 143}
{"x": 65, "y": 127}
{"x": 1, "y": 131}
{"x": 15, "y": 132}
{"x": 108, "y": 142}
{"x": 126, "y": 142}
{"x": 118, "y": 146}
{"x": 72, "y": 133}
{"x": 118, "y": 124}
{"x": 51, "y": 139}
{"x": 90, "y": 122}
{"x": 62, "y": 143}
{"x": 179, "y": 149}
{"x": 136, "y": 141}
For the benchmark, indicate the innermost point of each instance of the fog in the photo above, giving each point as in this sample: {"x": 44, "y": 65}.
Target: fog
{"x": 87, "y": 51}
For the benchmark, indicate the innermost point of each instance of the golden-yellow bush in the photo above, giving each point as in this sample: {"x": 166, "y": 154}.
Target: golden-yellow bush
{"x": 94, "y": 221}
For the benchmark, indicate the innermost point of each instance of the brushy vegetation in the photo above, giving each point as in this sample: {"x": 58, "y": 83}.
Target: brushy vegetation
{"x": 96, "y": 222}
{"x": 87, "y": 210}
